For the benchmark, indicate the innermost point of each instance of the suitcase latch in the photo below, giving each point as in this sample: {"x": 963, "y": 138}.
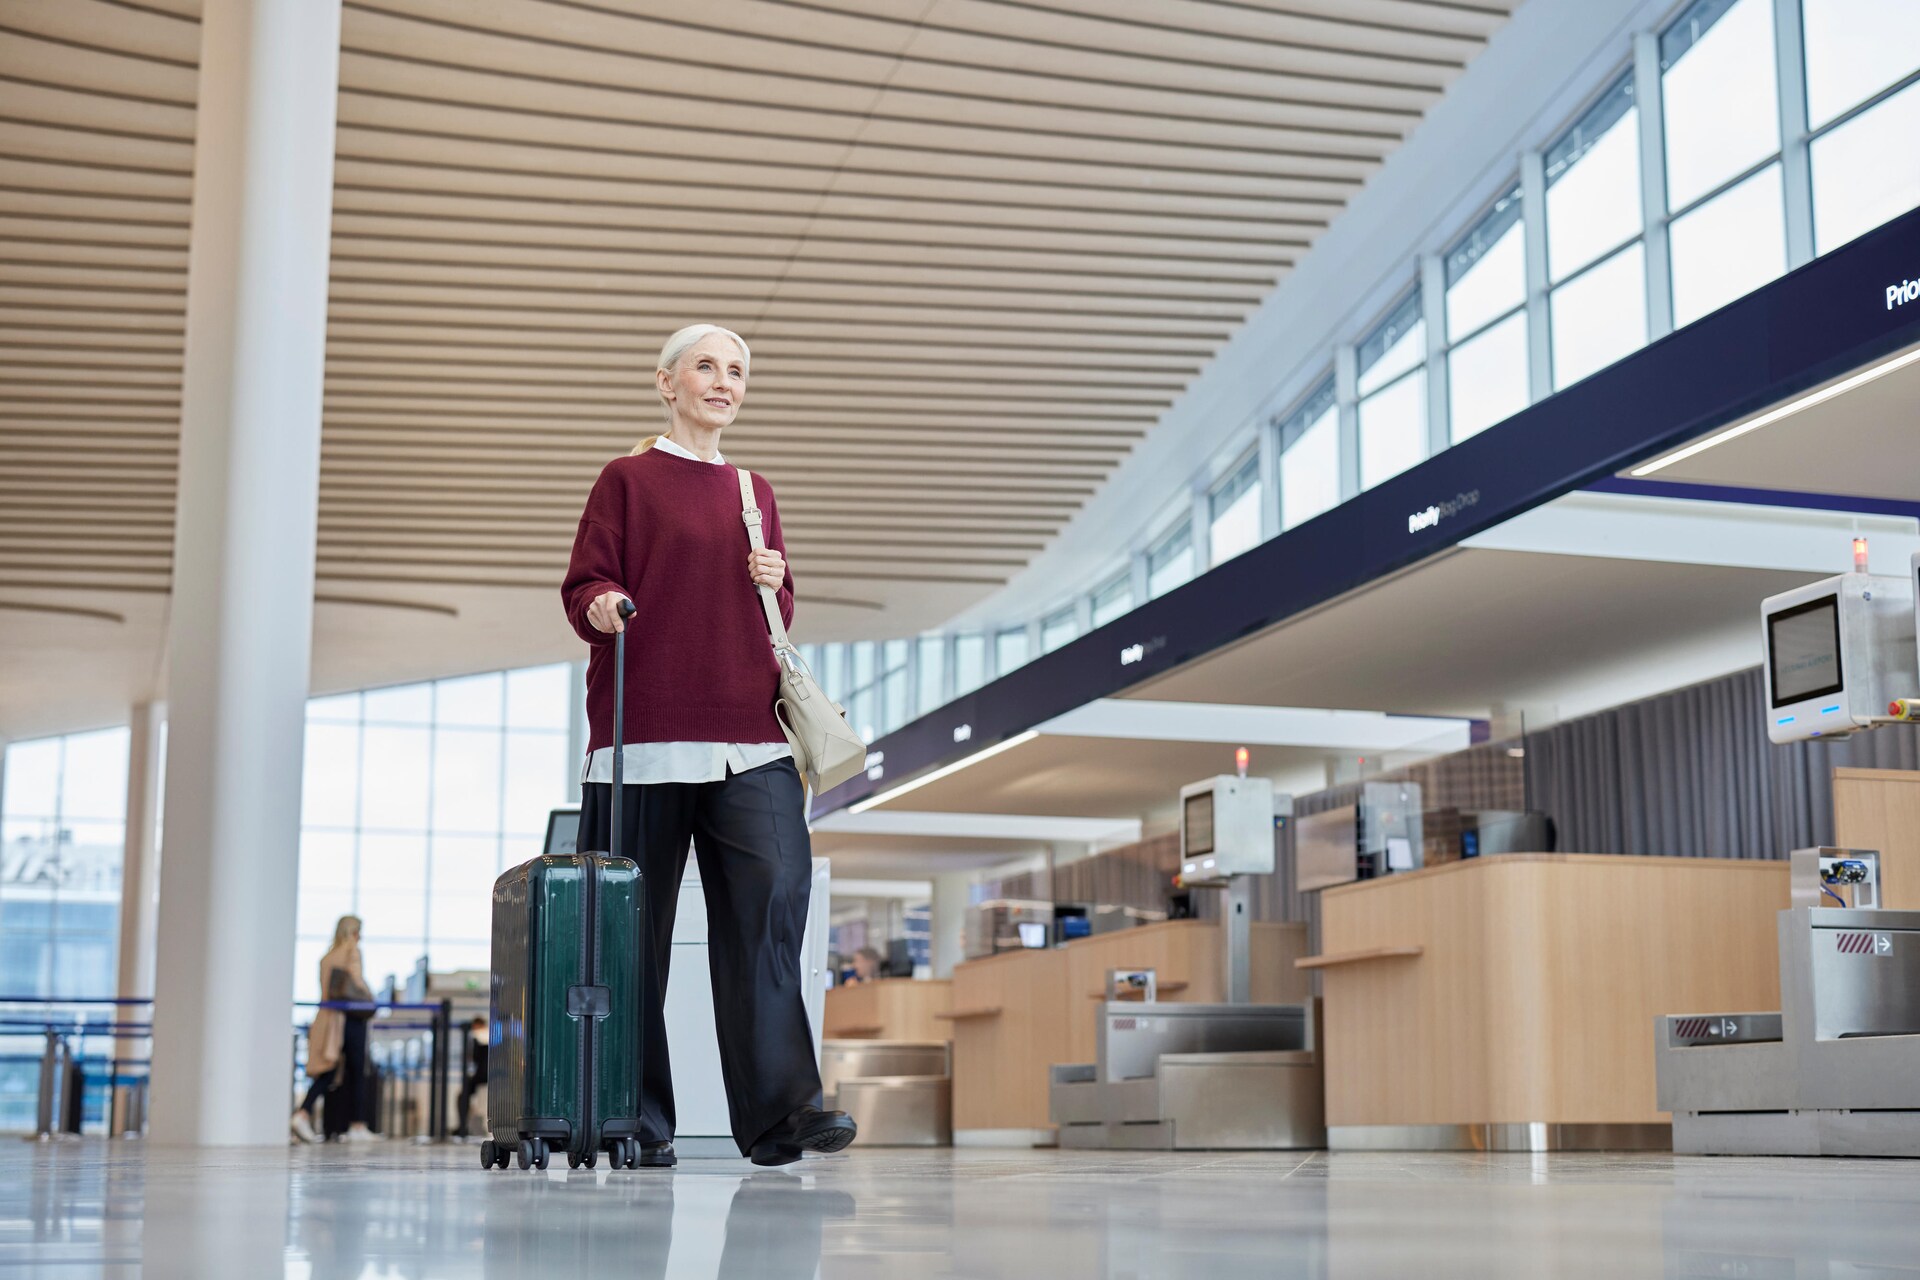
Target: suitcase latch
{"x": 585, "y": 1001}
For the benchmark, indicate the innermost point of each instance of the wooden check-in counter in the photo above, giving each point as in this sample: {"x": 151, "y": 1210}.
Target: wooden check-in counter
{"x": 1018, "y": 1013}
{"x": 889, "y": 1009}
{"x": 1521, "y": 990}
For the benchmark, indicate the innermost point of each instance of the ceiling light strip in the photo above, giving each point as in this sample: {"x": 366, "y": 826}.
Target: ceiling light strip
{"x": 894, "y": 793}
{"x": 1772, "y": 416}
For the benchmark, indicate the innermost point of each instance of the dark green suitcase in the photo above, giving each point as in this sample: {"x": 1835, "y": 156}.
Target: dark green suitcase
{"x": 563, "y": 1060}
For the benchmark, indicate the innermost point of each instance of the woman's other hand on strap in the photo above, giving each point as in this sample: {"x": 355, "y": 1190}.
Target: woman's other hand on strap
{"x": 767, "y": 568}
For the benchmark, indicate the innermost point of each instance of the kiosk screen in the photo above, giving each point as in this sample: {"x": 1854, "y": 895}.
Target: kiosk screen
{"x": 1197, "y": 826}
{"x": 1803, "y": 644}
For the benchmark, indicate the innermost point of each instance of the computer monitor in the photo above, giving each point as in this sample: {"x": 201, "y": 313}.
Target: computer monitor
{"x": 899, "y": 958}
{"x": 563, "y": 832}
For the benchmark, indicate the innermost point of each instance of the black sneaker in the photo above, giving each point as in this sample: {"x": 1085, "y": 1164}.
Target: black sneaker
{"x": 807, "y": 1129}
{"x": 657, "y": 1155}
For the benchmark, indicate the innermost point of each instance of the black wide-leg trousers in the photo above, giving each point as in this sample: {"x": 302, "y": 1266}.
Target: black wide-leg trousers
{"x": 749, "y": 831}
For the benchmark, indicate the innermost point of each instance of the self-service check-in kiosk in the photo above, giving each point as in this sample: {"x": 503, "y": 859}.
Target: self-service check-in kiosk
{"x": 1234, "y": 1075}
{"x": 1836, "y": 1069}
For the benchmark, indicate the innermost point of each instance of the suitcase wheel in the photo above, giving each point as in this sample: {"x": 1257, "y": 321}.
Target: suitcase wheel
{"x": 629, "y": 1153}
{"x": 574, "y": 1159}
{"x": 489, "y": 1154}
{"x": 540, "y": 1153}
{"x": 526, "y": 1153}
{"x": 591, "y": 1158}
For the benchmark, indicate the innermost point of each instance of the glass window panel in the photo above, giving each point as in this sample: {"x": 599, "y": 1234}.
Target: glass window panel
{"x": 447, "y": 956}
{"x": 894, "y": 655}
{"x": 1393, "y": 429}
{"x": 402, "y": 704}
{"x": 326, "y": 881}
{"x": 1718, "y": 95}
{"x": 91, "y": 859}
{"x": 1856, "y": 48}
{"x": 1170, "y": 562}
{"x": 832, "y": 671}
{"x": 1593, "y": 183}
{"x": 1057, "y": 629}
{"x": 1237, "y": 527}
{"x": 325, "y": 874}
{"x": 33, "y": 779}
{"x": 1113, "y": 599}
{"x": 393, "y": 778}
{"x": 460, "y": 903}
{"x": 1487, "y": 271}
{"x": 1310, "y": 471}
{"x": 470, "y": 700}
{"x": 536, "y": 781}
{"x": 93, "y": 775}
{"x": 860, "y": 713}
{"x": 330, "y": 794}
{"x": 969, "y": 662}
{"x": 862, "y": 664}
{"x": 1396, "y": 345}
{"x": 893, "y": 700}
{"x": 393, "y": 886}
{"x": 1729, "y": 246}
{"x": 932, "y": 673}
{"x": 466, "y": 780}
{"x": 26, "y": 961}
{"x": 384, "y": 957}
{"x": 1599, "y": 317}
{"x": 306, "y": 972}
{"x": 83, "y": 967}
{"x": 1867, "y": 170}
{"x": 541, "y": 697}
{"x": 1487, "y": 378}
{"x": 1009, "y": 650}
{"x": 341, "y": 708}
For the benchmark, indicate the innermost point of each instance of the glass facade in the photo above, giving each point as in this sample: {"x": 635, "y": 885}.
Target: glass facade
{"x": 415, "y": 799}
{"x": 63, "y": 839}
{"x": 1537, "y": 298}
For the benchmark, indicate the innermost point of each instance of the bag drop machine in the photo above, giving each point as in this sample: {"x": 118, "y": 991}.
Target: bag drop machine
{"x": 1836, "y": 1071}
{"x": 1177, "y": 1076}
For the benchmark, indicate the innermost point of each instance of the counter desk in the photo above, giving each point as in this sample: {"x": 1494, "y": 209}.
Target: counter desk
{"x": 889, "y": 1009}
{"x": 1508, "y": 1002}
{"x": 1018, "y": 1013}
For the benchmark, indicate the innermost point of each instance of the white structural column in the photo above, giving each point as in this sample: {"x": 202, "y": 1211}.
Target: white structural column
{"x": 242, "y": 615}
{"x": 947, "y": 922}
{"x": 140, "y": 870}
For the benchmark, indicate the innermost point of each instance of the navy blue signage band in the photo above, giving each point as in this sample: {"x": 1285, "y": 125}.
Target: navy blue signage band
{"x": 1827, "y": 318}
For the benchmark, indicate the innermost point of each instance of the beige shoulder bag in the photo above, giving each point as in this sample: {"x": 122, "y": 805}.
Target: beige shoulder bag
{"x": 825, "y": 747}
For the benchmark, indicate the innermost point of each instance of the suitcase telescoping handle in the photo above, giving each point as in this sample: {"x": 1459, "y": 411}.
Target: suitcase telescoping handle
{"x": 625, "y": 610}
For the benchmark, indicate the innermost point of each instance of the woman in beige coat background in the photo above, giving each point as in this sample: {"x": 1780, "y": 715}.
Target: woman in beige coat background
{"x": 337, "y": 1043}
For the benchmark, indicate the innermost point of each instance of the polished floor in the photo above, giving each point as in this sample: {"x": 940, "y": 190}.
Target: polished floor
{"x": 91, "y": 1208}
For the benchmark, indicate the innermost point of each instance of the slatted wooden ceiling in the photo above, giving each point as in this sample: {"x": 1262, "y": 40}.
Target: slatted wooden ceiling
{"x": 978, "y": 245}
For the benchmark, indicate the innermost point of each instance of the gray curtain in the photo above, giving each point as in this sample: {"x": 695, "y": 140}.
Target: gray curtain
{"x": 1691, "y": 774}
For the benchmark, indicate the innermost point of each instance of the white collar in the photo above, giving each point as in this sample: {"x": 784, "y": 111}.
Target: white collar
{"x": 668, "y": 446}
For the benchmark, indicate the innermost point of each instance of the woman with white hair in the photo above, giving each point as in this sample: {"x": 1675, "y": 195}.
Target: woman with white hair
{"x": 705, "y": 760}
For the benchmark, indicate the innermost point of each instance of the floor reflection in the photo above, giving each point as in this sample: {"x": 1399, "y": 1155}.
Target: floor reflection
{"x": 94, "y": 1209}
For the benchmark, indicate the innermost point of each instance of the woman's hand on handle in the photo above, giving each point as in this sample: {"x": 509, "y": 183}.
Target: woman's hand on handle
{"x": 604, "y": 612}
{"x": 767, "y": 568}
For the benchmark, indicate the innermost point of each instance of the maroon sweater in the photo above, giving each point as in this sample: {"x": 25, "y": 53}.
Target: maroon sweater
{"x": 666, "y": 533}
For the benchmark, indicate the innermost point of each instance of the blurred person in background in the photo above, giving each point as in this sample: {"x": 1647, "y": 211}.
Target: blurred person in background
{"x": 337, "y": 1044}
{"x": 866, "y": 966}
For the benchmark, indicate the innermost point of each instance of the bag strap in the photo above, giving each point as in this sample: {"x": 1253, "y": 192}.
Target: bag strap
{"x": 750, "y": 515}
